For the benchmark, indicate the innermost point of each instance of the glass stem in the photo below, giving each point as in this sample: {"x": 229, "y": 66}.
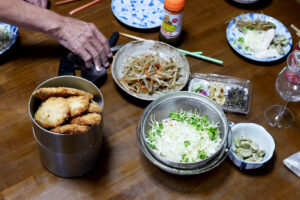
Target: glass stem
{"x": 281, "y": 111}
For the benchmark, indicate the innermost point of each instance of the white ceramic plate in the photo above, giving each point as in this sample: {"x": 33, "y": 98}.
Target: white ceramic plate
{"x": 142, "y": 14}
{"x": 145, "y": 47}
{"x": 232, "y": 34}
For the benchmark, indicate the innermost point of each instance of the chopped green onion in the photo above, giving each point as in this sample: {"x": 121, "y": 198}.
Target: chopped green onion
{"x": 201, "y": 154}
{"x": 241, "y": 39}
{"x": 186, "y": 143}
{"x": 200, "y": 88}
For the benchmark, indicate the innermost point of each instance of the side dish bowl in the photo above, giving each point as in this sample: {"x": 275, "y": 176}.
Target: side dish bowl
{"x": 137, "y": 48}
{"x": 182, "y": 101}
{"x": 258, "y": 134}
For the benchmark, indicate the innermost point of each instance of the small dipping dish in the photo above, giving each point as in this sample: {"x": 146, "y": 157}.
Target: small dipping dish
{"x": 257, "y": 134}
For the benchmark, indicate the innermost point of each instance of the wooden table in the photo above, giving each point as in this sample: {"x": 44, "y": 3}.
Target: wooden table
{"x": 123, "y": 171}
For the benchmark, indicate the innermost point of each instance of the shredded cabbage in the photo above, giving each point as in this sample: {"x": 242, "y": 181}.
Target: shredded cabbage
{"x": 184, "y": 137}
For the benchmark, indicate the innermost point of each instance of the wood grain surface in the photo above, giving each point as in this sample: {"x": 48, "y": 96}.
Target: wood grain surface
{"x": 123, "y": 172}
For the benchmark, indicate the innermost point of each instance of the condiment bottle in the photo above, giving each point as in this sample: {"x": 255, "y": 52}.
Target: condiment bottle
{"x": 170, "y": 30}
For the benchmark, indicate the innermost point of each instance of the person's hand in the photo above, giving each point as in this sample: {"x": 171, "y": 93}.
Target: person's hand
{"x": 40, "y": 3}
{"x": 85, "y": 40}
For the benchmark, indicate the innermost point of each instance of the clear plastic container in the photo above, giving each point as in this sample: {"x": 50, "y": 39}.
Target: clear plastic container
{"x": 231, "y": 93}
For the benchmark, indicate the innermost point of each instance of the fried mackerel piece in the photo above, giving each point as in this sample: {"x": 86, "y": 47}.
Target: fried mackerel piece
{"x": 92, "y": 119}
{"x": 77, "y": 105}
{"x": 94, "y": 108}
{"x": 45, "y": 93}
{"x": 53, "y": 112}
{"x": 70, "y": 129}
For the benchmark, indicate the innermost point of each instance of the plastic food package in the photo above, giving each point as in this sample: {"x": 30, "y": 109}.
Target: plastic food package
{"x": 293, "y": 163}
{"x": 232, "y": 94}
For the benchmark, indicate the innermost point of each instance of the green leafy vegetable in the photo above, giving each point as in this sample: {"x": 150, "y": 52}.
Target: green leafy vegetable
{"x": 200, "y": 123}
{"x": 151, "y": 145}
{"x": 201, "y": 154}
{"x": 212, "y": 132}
{"x": 186, "y": 143}
{"x": 200, "y": 88}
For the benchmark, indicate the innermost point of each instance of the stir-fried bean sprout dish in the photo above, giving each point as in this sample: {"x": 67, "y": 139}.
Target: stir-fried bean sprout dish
{"x": 184, "y": 137}
{"x": 149, "y": 74}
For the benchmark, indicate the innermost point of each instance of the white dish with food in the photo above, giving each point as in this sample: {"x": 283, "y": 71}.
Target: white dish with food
{"x": 259, "y": 37}
{"x": 258, "y": 134}
{"x": 8, "y": 36}
{"x": 149, "y": 69}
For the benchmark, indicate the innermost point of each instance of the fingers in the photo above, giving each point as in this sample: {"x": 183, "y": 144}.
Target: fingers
{"x": 102, "y": 39}
{"x": 101, "y": 53}
{"x": 39, "y": 3}
{"x": 96, "y": 49}
{"x": 101, "y": 44}
{"x": 44, "y": 3}
{"x": 95, "y": 55}
{"x": 85, "y": 55}
{"x": 85, "y": 40}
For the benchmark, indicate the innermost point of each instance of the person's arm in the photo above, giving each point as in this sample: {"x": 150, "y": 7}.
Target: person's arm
{"x": 80, "y": 37}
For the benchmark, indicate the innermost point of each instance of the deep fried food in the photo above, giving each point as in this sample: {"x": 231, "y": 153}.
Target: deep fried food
{"x": 70, "y": 129}
{"x": 94, "y": 108}
{"x": 77, "y": 105}
{"x": 53, "y": 112}
{"x": 93, "y": 119}
{"x": 45, "y": 93}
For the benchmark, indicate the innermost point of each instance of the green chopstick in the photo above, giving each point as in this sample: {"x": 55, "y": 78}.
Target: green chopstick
{"x": 197, "y": 55}
{"x": 220, "y": 62}
{"x": 195, "y": 52}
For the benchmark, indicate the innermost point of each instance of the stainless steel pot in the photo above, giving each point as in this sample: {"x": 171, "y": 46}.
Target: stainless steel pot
{"x": 68, "y": 155}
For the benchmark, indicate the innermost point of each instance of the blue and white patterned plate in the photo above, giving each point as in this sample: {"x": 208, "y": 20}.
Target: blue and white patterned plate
{"x": 232, "y": 34}
{"x": 143, "y": 14}
{"x": 13, "y": 33}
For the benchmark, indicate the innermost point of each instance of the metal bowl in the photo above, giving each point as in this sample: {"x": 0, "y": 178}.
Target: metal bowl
{"x": 186, "y": 101}
{"x": 68, "y": 155}
{"x": 136, "y": 48}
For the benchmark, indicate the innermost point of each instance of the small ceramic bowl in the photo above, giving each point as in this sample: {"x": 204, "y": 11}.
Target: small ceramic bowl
{"x": 259, "y": 135}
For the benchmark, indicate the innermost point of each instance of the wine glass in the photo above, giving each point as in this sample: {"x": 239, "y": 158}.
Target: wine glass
{"x": 288, "y": 86}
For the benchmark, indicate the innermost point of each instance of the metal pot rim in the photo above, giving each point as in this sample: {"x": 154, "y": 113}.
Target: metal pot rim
{"x": 41, "y": 85}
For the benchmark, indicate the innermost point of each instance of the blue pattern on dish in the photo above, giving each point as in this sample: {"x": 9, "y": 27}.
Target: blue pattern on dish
{"x": 144, "y": 14}
{"x": 232, "y": 33}
{"x": 13, "y": 32}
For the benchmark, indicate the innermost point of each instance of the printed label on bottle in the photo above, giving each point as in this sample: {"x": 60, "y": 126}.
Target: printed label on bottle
{"x": 171, "y": 24}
